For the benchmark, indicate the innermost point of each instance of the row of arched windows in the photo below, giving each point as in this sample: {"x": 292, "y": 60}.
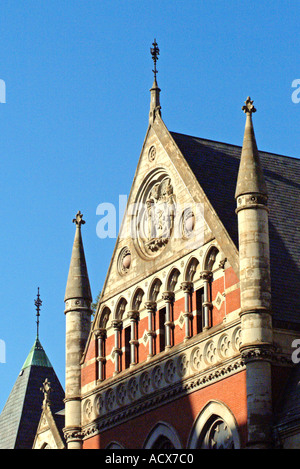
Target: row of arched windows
{"x": 214, "y": 428}
{"x": 197, "y": 316}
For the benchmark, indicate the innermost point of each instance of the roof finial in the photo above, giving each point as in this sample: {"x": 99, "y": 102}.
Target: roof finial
{"x": 155, "y": 53}
{"x": 46, "y": 390}
{"x": 78, "y": 220}
{"x": 248, "y": 108}
{"x": 38, "y": 303}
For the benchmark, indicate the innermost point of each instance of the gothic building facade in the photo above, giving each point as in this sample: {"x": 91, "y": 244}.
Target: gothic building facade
{"x": 192, "y": 342}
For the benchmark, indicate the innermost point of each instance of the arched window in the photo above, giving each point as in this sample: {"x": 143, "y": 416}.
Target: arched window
{"x": 162, "y": 436}
{"x": 216, "y": 435}
{"x": 215, "y": 428}
{"x": 162, "y": 442}
{"x": 114, "y": 445}
{"x": 100, "y": 334}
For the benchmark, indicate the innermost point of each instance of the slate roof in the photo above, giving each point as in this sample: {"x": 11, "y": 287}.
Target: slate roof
{"x": 215, "y": 166}
{"x": 21, "y": 414}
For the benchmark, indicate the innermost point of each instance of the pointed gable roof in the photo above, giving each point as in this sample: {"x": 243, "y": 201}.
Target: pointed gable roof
{"x": 22, "y": 411}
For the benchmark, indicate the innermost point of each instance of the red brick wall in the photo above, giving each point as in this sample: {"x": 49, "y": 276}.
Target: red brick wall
{"x": 231, "y": 303}
{"x": 180, "y": 414}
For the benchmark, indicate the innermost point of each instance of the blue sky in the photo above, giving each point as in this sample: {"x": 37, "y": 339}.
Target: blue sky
{"x": 77, "y": 77}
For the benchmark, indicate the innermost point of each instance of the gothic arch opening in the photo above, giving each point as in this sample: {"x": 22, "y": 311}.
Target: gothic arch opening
{"x": 190, "y": 269}
{"x": 154, "y": 289}
{"x": 162, "y": 436}
{"x": 211, "y": 259}
{"x": 104, "y": 317}
{"x": 137, "y": 299}
{"x": 120, "y": 308}
{"x": 214, "y": 428}
{"x": 172, "y": 280}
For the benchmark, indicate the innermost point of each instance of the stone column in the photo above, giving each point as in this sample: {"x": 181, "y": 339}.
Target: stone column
{"x": 255, "y": 287}
{"x": 169, "y": 324}
{"x": 78, "y": 312}
{"x": 151, "y": 309}
{"x": 117, "y": 351}
{"x": 134, "y": 317}
{"x": 187, "y": 287}
{"x": 206, "y": 276}
{"x": 100, "y": 335}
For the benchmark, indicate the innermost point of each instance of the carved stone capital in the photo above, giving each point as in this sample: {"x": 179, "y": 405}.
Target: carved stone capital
{"x": 262, "y": 352}
{"x": 133, "y": 315}
{"x": 117, "y": 324}
{"x": 168, "y": 296}
{"x": 206, "y": 275}
{"x": 150, "y": 306}
{"x": 100, "y": 333}
{"x": 72, "y": 434}
{"x": 187, "y": 287}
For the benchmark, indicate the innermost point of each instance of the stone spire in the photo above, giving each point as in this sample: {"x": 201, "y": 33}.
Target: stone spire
{"x": 255, "y": 288}
{"x": 78, "y": 300}
{"x": 155, "y": 90}
{"x": 250, "y": 177}
{"x": 78, "y": 285}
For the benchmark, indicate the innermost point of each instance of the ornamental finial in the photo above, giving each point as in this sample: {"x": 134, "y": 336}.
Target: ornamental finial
{"x": 248, "y": 108}
{"x": 46, "y": 390}
{"x": 155, "y": 53}
{"x": 78, "y": 220}
{"x": 38, "y": 303}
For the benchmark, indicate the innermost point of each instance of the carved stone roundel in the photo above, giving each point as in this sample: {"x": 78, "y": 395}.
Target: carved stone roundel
{"x": 153, "y": 221}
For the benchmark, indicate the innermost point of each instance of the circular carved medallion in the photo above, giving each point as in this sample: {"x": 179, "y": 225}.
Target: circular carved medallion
{"x": 153, "y": 220}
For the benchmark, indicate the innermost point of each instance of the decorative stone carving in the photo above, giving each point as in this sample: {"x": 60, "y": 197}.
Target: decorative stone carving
{"x": 110, "y": 399}
{"x": 121, "y": 394}
{"x": 152, "y": 153}
{"x": 157, "y": 377}
{"x": 224, "y": 346}
{"x": 132, "y": 388}
{"x": 99, "y": 404}
{"x": 196, "y": 359}
{"x": 182, "y": 365}
{"x": 124, "y": 261}
{"x": 145, "y": 383}
{"x": 155, "y": 213}
{"x": 237, "y": 338}
{"x": 170, "y": 371}
{"x": 88, "y": 408}
{"x": 210, "y": 353}
{"x": 187, "y": 223}
{"x": 46, "y": 389}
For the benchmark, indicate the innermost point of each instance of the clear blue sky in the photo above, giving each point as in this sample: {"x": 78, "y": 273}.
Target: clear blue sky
{"x": 77, "y": 77}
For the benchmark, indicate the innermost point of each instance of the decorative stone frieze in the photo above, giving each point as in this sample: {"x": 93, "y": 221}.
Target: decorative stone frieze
{"x": 202, "y": 362}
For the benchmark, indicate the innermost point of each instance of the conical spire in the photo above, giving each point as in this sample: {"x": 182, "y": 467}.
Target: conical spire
{"x": 78, "y": 285}
{"x": 155, "y": 90}
{"x": 250, "y": 177}
{"x": 37, "y": 356}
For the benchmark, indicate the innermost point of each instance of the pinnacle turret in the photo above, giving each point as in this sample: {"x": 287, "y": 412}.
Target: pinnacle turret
{"x": 155, "y": 90}
{"x": 250, "y": 177}
{"x": 78, "y": 285}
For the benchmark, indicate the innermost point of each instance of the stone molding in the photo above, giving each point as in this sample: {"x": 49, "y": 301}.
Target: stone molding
{"x": 163, "y": 378}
